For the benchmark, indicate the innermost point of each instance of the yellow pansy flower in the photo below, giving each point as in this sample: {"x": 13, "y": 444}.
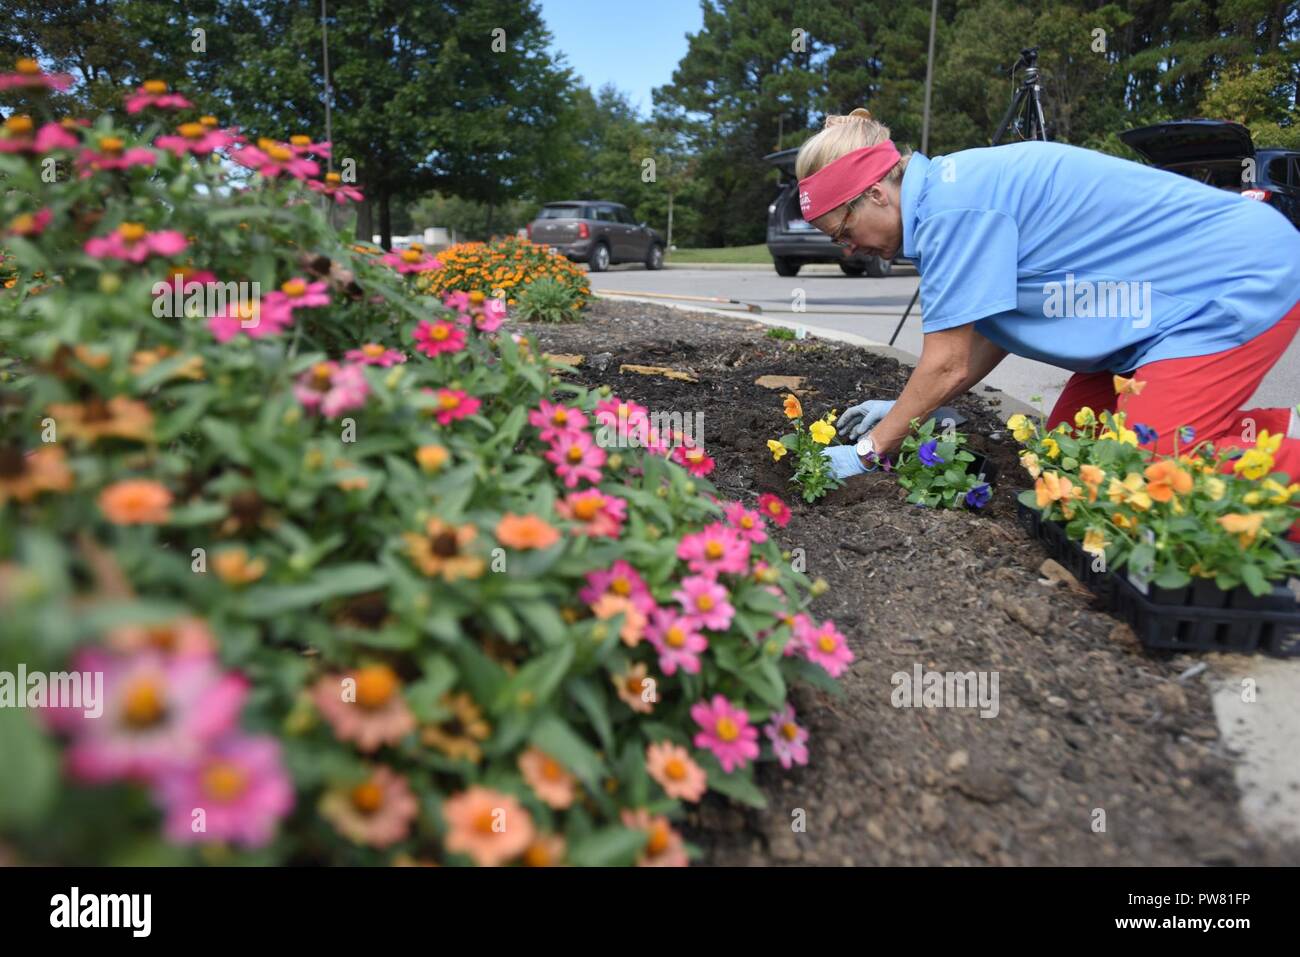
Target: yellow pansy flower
{"x": 1254, "y": 464}
{"x": 1216, "y": 488}
{"x": 1051, "y": 448}
{"x": 822, "y": 432}
{"x": 1131, "y": 491}
{"x": 1030, "y": 461}
{"x": 1245, "y": 527}
{"x": 1095, "y": 541}
{"x": 1084, "y": 416}
{"x": 777, "y": 449}
{"x": 1021, "y": 426}
{"x": 1268, "y": 443}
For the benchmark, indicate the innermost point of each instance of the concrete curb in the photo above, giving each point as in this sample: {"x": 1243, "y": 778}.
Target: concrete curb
{"x": 1008, "y": 404}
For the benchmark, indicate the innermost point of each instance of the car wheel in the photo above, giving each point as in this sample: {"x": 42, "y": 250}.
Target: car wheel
{"x": 853, "y": 269}
{"x": 878, "y": 268}
{"x": 654, "y": 259}
{"x": 786, "y": 267}
{"x": 599, "y": 260}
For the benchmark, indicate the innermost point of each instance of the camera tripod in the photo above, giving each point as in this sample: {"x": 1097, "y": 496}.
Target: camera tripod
{"x": 1025, "y": 113}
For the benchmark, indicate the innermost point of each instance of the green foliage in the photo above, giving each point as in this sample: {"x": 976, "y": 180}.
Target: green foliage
{"x": 934, "y": 469}
{"x": 548, "y": 300}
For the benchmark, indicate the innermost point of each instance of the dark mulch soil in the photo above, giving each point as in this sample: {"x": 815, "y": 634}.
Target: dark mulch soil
{"x": 1087, "y": 719}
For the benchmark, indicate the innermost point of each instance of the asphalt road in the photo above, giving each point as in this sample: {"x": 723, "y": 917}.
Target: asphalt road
{"x": 872, "y": 308}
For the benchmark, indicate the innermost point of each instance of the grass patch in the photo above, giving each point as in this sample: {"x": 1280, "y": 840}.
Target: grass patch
{"x": 756, "y": 255}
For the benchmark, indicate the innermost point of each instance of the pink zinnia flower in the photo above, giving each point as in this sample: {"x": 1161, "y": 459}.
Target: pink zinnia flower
{"x": 194, "y": 138}
{"x": 378, "y": 812}
{"x": 256, "y": 320}
{"x": 694, "y": 459}
{"x": 435, "y": 338}
{"x": 800, "y": 628}
{"x": 411, "y": 260}
{"x": 373, "y": 354}
{"x": 549, "y": 780}
{"x": 705, "y": 602}
{"x": 300, "y": 293}
{"x": 30, "y": 224}
{"x": 332, "y": 389}
{"x": 726, "y": 731}
{"x": 183, "y": 637}
{"x": 576, "y": 458}
{"x": 556, "y": 420}
{"x": 788, "y": 739}
{"x": 154, "y": 93}
{"x": 270, "y": 159}
{"x": 133, "y": 243}
{"x": 334, "y": 187}
{"x": 16, "y": 137}
{"x": 774, "y": 509}
{"x": 716, "y": 549}
{"x": 678, "y": 642}
{"x": 455, "y": 404}
{"x": 625, "y": 420}
{"x": 671, "y": 765}
{"x": 113, "y": 154}
{"x": 747, "y": 523}
{"x": 491, "y": 316}
{"x": 157, "y": 712}
{"x": 622, "y": 580}
{"x": 664, "y": 846}
{"x": 28, "y": 75}
{"x": 239, "y": 784}
{"x": 302, "y": 145}
{"x": 602, "y": 515}
{"x": 825, "y": 646}
{"x": 369, "y": 711}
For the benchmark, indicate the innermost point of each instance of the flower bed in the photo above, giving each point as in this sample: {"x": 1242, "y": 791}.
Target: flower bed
{"x": 362, "y": 583}
{"x": 504, "y": 268}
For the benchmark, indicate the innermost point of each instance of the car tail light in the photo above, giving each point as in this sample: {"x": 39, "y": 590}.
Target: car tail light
{"x": 583, "y": 231}
{"x": 1263, "y": 195}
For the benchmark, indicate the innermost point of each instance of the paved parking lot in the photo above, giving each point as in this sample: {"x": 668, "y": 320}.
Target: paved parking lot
{"x": 871, "y": 308}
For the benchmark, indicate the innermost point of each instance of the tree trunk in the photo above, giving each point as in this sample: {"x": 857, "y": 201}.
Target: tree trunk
{"x": 385, "y": 221}
{"x": 366, "y": 221}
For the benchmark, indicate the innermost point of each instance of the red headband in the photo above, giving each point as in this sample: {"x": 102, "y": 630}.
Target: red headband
{"x": 849, "y": 176}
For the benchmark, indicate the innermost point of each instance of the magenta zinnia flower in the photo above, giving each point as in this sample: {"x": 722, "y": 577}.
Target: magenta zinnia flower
{"x": 270, "y": 159}
{"x": 113, "y": 154}
{"x": 576, "y": 458}
{"x": 158, "y": 712}
{"x": 455, "y": 404}
{"x": 374, "y": 354}
{"x": 435, "y": 338}
{"x": 257, "y": 320}
{"x": 773, "y": 508}
{"x": 556, "y": 420}
{"x": 788, "y": 739}
{"x": 16, "y": 137}
{"x": 240, "y": 785}
{"x": 29, "y": 76}
{"x": 626, "y": 420}
{"x": 621, "y": 580}
{"x": 705, "y": 602}
{"x": 332, "y": 389}
{"x": 716, "y": 549}
{"x": 747, "y": 523}
{"x": 694, "y": 459}
{"x": 490, "y": 317}
{"x": 411, "y": 260}
{"x": 30, "y": 224}
{"x": 726, "y": 731}
{"x": 334, "y": 187}
{"x": 194, "y": 138}
{"x": 154, "y": 93}
{"x": 678, "y": 642}
{"x": 133, "y": 243}
{"x": 825, "y": 646}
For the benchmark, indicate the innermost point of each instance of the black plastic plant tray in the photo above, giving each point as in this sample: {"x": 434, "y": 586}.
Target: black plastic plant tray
{"x": 1198, "y": 617}
{"x": 982, "y": 465}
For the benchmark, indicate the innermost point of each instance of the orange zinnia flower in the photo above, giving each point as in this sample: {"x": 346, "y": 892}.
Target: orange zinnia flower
{"x": 1165, "y": 480}
{"x": 548, "y": 778}
{"x": 23, "y": 477}
{"x": 136, "y": 502}
{"x": 526, "y": 531}
{"x": 487, "y": 825}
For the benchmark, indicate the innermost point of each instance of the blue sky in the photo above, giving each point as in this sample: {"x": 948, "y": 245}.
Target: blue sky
{"x": 634, "y": 44}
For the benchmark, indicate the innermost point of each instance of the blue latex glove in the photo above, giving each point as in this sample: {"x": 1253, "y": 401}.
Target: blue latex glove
{"x": 860, "y": 419}
{"x": 844, "y": 461}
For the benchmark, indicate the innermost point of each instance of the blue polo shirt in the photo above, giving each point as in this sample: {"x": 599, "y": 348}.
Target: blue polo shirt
{"x": 1090, "y": 262}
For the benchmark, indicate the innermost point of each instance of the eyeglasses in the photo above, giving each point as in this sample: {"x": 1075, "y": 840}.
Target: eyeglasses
{"x": 837, "y": 237}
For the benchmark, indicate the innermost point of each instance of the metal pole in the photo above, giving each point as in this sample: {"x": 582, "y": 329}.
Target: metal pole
{"x": 325, "y": 48}
{"x": 929, "y": 79}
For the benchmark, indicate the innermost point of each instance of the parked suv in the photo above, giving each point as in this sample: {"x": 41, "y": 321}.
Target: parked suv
{"x": 794, "y": 242}
{"x": 597, "y": 233}
{"x": 1217, "y": 152}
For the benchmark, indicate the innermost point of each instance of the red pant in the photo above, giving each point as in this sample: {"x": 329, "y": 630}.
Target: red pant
{"x": 1204, "y": 392}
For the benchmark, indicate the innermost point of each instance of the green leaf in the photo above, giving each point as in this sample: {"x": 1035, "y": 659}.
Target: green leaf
{"x": 590, "y": 699}
{"x": 607, "y": 847}
{"x": 737, "y": 785}
{"x": 31, "y": 769}
{"x": 558, "y": 740}
{"x": 1253, "y": 579}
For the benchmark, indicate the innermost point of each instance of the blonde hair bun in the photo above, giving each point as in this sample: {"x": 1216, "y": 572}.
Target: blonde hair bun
{"x": 861, "y": 114}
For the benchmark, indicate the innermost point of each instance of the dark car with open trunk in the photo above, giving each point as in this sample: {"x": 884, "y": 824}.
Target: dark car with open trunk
{"x": 597, "y": 233}
{"x": 1222, "y": 154}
